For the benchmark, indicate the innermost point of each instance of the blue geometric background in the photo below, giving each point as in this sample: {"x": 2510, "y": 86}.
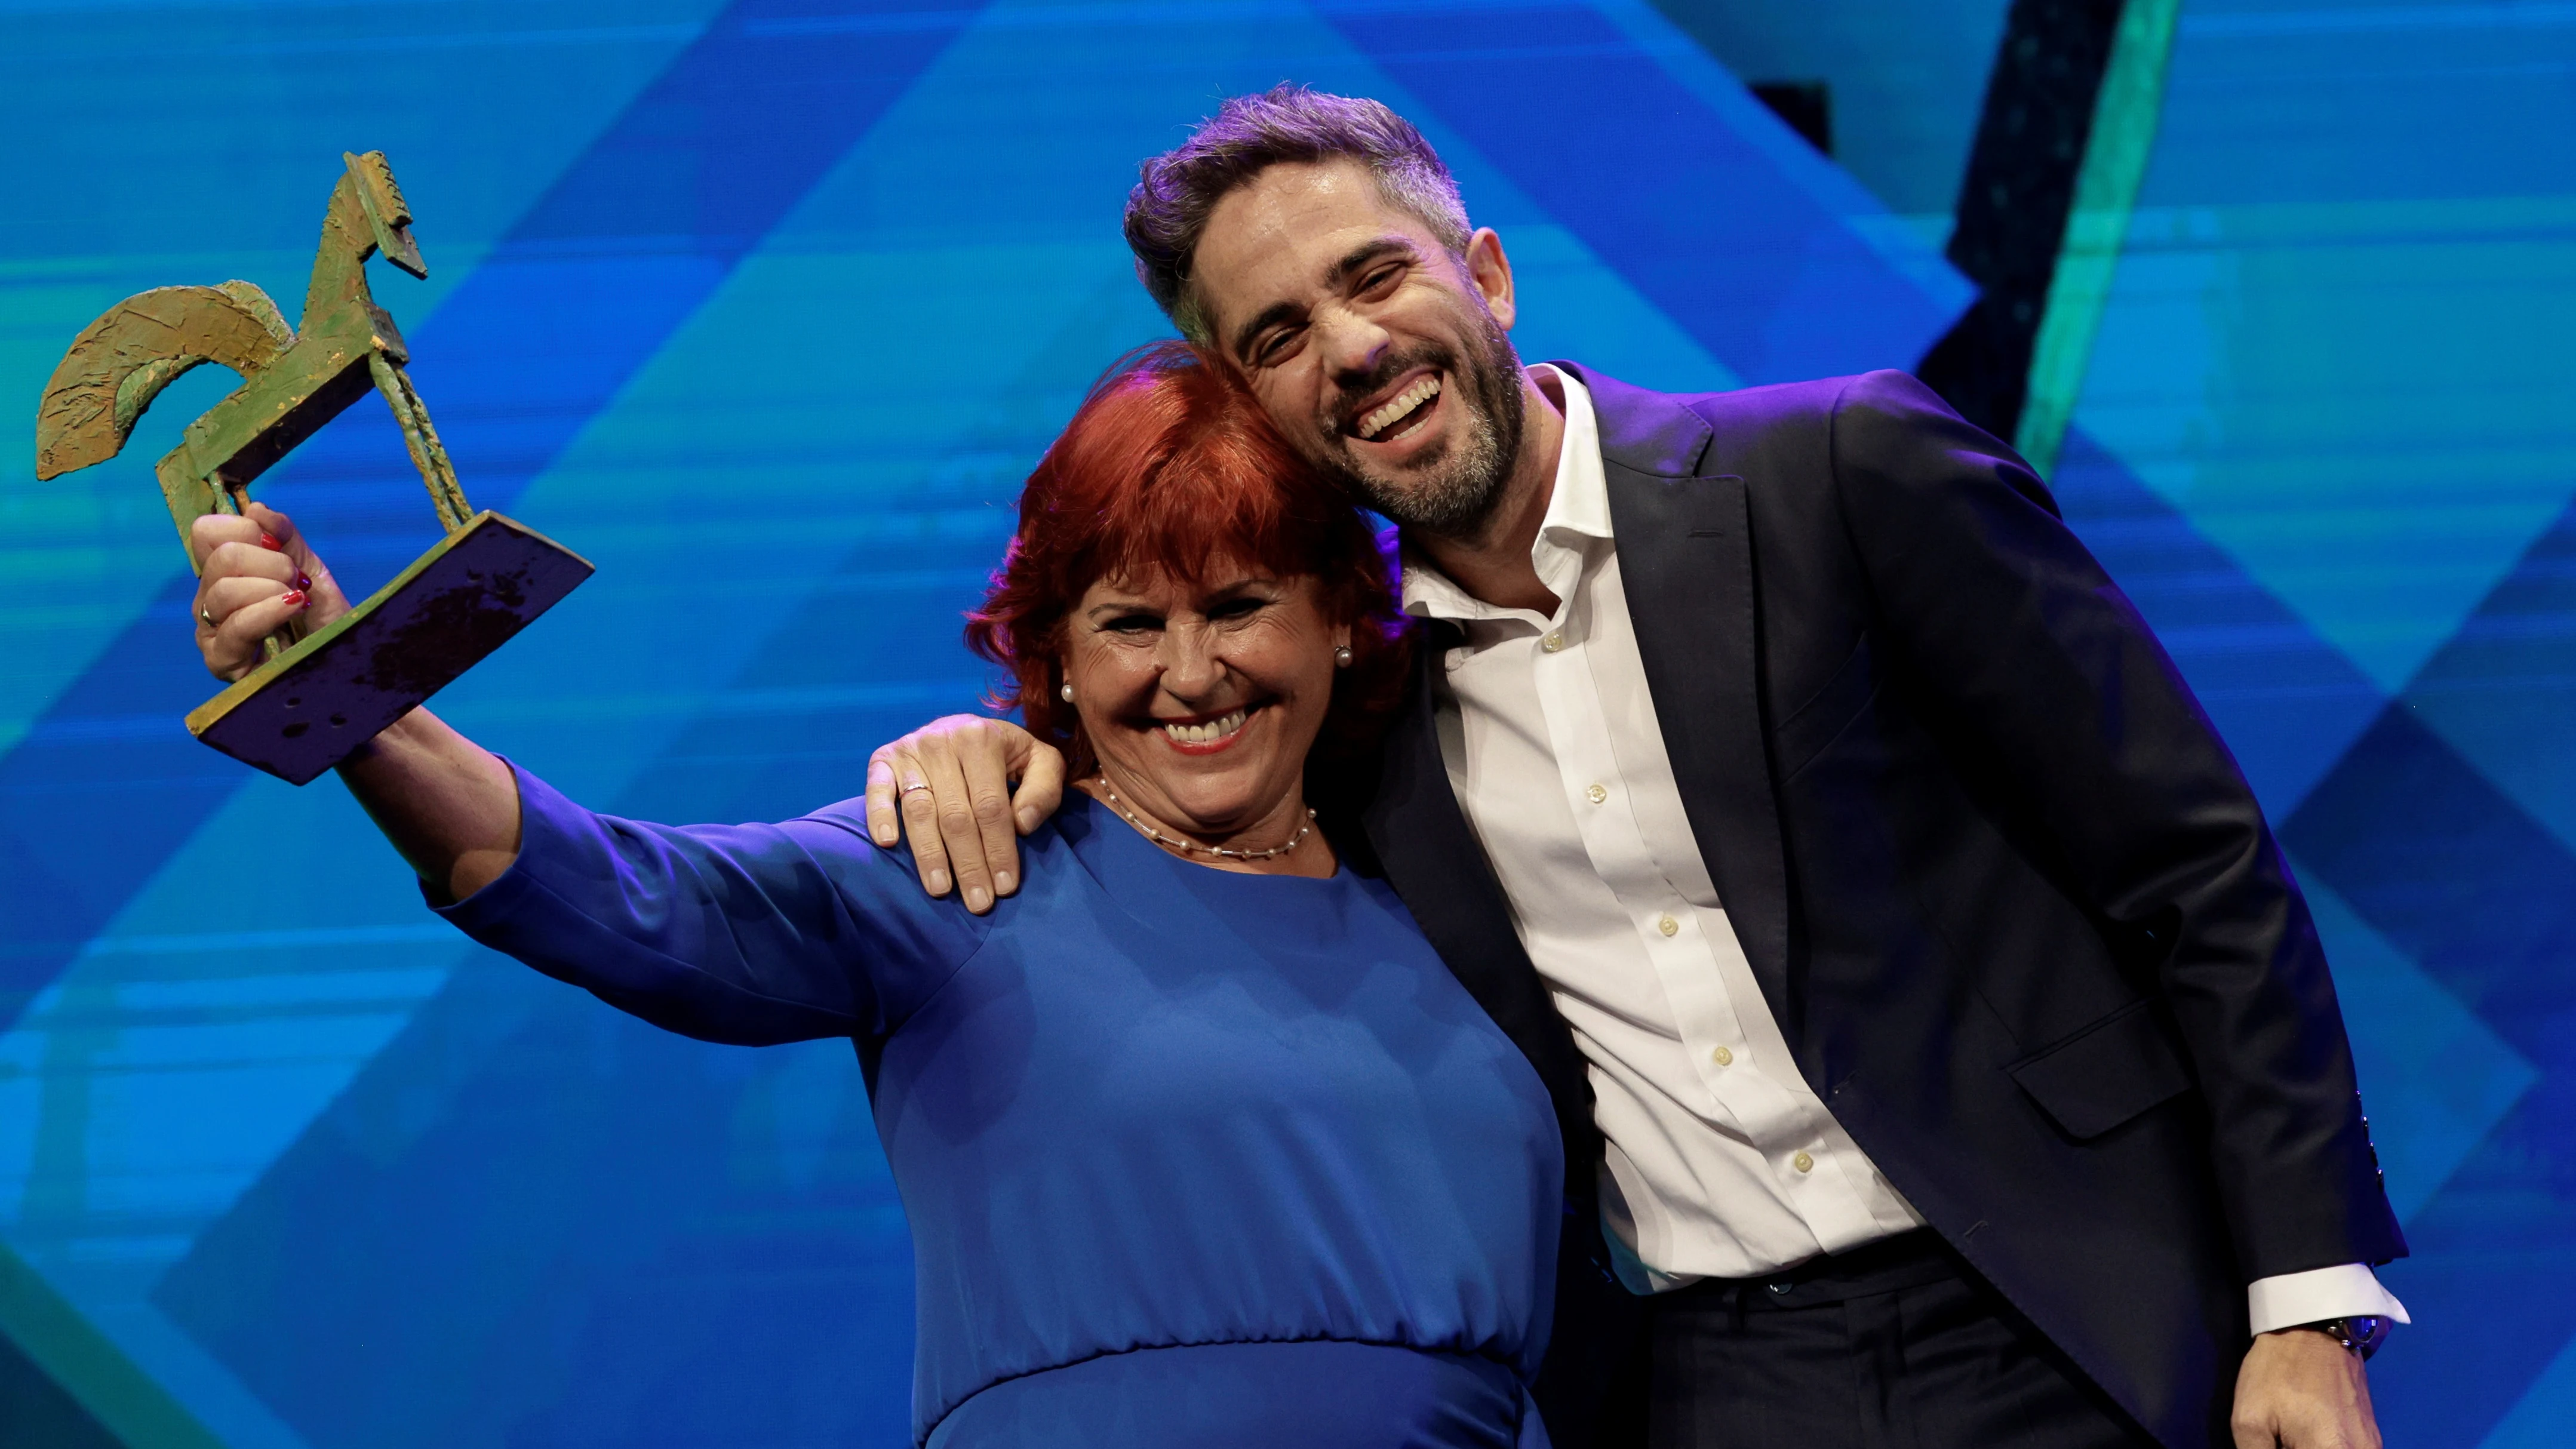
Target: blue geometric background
{"x": 766, "y": 307}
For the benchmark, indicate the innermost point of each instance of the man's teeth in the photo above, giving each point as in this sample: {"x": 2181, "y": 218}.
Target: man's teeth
{"x": 1208, "y": 733}
{"x": 1381, "y": 418}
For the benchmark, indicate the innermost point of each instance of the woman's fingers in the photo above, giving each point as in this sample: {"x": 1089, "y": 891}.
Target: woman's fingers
{"x": 240, "y": 559}
{"x": 235, "y": 614}
{"x": 212, "y": 531}
{"x": 254, "y": 574}
{"x": 311, "y": 575}
{"x": 243, "y": 581}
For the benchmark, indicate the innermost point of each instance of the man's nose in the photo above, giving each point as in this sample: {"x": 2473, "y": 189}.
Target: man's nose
{"x": 1353, "y": 344}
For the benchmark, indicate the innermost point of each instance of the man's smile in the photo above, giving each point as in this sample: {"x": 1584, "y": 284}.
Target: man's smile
{"x": 1403, "y": 412}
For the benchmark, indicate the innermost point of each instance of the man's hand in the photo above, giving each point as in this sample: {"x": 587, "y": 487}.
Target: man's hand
{"x": 948, "y": 784}
{"x": 2302, "y": 1390}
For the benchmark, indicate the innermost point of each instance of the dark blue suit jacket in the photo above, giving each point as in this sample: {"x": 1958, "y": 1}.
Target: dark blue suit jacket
{"x": 2015, "y": 908}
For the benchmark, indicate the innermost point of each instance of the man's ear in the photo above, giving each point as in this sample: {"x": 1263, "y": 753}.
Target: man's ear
{"x": 1491, "y": 273}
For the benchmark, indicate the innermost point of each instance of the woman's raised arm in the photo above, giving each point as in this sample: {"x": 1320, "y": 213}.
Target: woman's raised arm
{"x": 449, "y": 805}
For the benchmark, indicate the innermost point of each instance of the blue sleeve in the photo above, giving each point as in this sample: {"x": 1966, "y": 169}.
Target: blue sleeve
{"x": 747, "y": 934}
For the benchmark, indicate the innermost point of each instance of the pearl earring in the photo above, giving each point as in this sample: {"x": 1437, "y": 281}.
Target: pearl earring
{"x": 1342, "y": 657}
{"x": 1066, "y": 689}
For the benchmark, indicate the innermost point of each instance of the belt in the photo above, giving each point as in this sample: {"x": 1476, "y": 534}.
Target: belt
{"x": 1908, "y": 1260}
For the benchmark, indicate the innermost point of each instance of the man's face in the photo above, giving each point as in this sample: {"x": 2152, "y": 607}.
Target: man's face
{"x": 1379, "y": 355}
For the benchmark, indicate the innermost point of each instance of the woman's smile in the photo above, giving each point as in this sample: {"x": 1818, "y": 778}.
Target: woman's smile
{"x": 1206, "y": 735}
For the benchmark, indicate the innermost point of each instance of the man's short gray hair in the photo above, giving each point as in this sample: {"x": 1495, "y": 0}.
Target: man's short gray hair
{"x": 1169, "y": 209}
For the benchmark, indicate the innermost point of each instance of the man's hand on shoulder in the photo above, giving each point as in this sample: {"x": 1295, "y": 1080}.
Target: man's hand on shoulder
{"x": 948, "y": 785}
{"x": 2300, "y": 1389}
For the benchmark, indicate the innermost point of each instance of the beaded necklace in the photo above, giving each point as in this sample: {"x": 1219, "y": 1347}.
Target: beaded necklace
{"x": 1172, "y": 842}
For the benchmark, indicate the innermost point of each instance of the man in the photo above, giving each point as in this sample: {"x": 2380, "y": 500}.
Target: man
{"x": 1950, "y": 1057}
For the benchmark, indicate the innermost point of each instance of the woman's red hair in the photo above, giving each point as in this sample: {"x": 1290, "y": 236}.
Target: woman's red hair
{"x": 1171, "y": 466}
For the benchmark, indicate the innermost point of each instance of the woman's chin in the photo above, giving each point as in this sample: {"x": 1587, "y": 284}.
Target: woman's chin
{"x": 1207, "y": 803}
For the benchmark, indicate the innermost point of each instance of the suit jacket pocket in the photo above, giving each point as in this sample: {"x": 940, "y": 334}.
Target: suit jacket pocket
{"x": 1827, "y": 713}
{"x": 2105, "y": 1074}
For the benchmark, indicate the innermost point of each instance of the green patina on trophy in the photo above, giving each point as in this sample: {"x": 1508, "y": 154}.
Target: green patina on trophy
{"x": 319, "y": 696}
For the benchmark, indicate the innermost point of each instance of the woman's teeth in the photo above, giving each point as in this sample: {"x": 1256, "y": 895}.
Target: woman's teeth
{"x": 1393, "y": 411}
{"x": 1208, "y": 733}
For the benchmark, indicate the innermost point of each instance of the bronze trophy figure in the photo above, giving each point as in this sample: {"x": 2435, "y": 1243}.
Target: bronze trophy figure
{"x": 320, "y": 696}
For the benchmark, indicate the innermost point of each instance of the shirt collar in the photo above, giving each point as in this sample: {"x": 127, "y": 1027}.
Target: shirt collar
{"x": 1578, "y": 514}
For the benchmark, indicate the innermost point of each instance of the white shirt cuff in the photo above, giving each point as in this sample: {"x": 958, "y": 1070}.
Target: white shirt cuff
{"x": 2343, "y": 1291}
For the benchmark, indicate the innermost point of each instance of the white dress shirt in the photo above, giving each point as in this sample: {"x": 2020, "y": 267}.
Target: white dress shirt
{"x": 1719, "y": 1161}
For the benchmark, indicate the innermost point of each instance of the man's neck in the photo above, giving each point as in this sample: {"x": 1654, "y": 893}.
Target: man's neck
{"x": 1494, "y": 565}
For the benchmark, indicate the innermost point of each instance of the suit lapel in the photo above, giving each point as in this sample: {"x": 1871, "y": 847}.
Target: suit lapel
{"x": 1686, "y": 564}
{"x": 1685, "y": 546}
{"x": 1436, "y": 864}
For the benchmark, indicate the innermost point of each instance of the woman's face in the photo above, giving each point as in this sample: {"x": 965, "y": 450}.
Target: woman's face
{"x": 1202, "y": 699}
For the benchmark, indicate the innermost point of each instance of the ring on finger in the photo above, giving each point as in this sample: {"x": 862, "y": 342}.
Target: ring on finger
{"x": 915, "y": 785}
{"x": 207, "y": 616}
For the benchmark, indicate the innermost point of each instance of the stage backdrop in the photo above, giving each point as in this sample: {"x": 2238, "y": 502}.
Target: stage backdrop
{"x": 767, "y": 306}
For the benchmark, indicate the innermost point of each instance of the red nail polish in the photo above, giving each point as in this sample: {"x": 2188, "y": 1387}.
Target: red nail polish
{"x": 269, "y": 542}
{"x": 295, "y": 598}
{"x": 303, "y": 581}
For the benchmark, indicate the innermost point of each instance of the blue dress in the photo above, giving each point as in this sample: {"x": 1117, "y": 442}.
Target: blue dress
{"x": 1189, "y": 1157}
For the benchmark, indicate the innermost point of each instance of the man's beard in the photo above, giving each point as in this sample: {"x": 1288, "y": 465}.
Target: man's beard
{"x": 1453, "y": 492}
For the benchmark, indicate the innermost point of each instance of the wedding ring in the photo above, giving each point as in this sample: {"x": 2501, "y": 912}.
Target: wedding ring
{"x": 209, "y": 618}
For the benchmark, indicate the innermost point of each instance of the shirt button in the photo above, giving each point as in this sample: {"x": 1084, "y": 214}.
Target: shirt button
{"x": 1803, "y": 1163}
{"x": 1667, "y": 925}
{"x": 1597, "y": 794}
{"x": 1722, "y": 1057}
{"x": 1552, "y": 642}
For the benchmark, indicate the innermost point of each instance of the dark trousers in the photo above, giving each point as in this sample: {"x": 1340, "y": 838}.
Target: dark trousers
{"x": 1896, "y": 1345}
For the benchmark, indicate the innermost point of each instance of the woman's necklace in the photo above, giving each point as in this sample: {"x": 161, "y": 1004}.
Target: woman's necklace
{"x": 1171, "y": 842}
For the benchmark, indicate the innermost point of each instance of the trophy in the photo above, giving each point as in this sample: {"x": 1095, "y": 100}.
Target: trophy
{"x": 317, "y": 696}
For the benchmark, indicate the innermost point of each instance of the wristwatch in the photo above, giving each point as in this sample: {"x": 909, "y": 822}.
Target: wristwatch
{"x": 2361, "y": 1334}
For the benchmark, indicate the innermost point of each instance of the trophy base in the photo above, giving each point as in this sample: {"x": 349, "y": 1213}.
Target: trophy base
{"x": 309, "y": 708}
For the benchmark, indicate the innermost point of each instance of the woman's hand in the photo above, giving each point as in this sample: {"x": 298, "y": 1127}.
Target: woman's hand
{"x": 450, "y": 807}
{"x": 948, "y": 784}
{"x": 255, "y": 575}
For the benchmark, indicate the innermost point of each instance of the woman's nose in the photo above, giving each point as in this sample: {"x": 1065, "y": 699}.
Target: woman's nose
{"x": 1190, "y": 663}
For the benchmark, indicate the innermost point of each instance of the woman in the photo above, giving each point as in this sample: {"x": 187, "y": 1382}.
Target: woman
{"x": 1199, "y": 1142}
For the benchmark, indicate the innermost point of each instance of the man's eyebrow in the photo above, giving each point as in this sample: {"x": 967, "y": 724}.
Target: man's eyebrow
{"x": 1365, "y": 253}
{"x": 1334, "y": 276}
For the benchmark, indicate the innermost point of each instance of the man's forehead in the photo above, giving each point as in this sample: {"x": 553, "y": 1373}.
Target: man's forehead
{"x": 1284, "y": 230}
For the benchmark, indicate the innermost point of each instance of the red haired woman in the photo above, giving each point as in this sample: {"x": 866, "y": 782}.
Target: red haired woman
{"x": 1199, "y": 1141}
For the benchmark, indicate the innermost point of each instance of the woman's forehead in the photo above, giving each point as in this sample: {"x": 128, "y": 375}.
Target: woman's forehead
{"x": 1157, "y": 583}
